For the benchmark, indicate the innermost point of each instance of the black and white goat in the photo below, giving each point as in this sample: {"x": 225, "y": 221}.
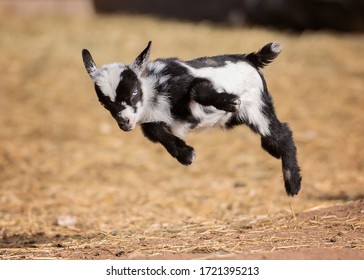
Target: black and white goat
{"x": 170, "y": 97}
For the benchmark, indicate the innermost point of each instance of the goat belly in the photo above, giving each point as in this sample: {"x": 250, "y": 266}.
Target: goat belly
{"x": 208, "y": 116}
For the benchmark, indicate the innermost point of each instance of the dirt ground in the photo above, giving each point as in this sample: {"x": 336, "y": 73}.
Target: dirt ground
{"x": 73, "y": 186}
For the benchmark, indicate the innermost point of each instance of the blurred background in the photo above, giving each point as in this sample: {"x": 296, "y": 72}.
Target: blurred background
{"x": 343, "y": 15}
{"x": 67, "y": 170}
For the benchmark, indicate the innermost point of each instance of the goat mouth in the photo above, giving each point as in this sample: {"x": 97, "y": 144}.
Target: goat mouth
{"x": 125, "y": 127}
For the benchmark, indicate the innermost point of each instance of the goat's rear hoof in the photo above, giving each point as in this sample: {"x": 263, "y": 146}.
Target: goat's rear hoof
{"x": 292, "y": 182}
{"x": 186, "y": 155}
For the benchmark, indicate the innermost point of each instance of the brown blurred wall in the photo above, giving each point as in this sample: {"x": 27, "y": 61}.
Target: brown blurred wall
{"x": 343, "y": 15}
{"x": 225, "y": 11}
{"x": 54, "y": 7}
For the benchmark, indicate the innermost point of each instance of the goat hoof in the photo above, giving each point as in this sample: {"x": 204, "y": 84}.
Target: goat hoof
{"x": 236, "y": 103}
{"x": 186, "y": 155}
{"x": 232, "y": 104}
{"x": 292, "y": 182}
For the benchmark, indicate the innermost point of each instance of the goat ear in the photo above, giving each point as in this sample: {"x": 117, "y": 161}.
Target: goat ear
{"x": 140, "y": 62}
{"x": 89, "y": 63}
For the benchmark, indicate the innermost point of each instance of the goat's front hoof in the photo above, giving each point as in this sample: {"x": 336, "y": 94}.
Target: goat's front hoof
{"x": 236, "y": 103}
{"x": 186, "y": 155}
{"x": 231, "y": 103}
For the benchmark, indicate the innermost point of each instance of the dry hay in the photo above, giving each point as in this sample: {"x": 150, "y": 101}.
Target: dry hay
{"x": 74, "y": 186}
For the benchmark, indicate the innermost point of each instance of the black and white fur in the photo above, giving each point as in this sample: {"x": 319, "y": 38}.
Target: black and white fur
{"x": 170, "y": 97}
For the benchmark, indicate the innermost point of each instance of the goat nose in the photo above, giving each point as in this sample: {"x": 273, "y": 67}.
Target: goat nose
{"x": 124, "y": 120}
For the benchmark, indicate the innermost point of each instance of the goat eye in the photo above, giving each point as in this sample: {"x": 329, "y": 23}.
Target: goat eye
{"x": 135, "y": 92}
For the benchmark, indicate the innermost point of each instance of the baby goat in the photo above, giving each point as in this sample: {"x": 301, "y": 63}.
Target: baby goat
{"x": 170, "y": 97}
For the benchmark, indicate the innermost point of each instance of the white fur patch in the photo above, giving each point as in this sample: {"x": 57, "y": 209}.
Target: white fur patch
{"x": 155, "y": 108}
{"x": 108, "y": 78}
{"x": 156, "y": 66}
{"x": 207, "y": 120}
{"x": 287, "y": 175}
{"x": 180, "y": 129}
{"x": 158, "y": 111}
{"x": 129, "y": 113}
{"x": 243, "y": 80}
{"x": 276, "y": 47}
{"x": 164, "y": 79}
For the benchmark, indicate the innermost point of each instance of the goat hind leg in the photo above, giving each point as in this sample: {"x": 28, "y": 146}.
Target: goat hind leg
{"x": 279, "y": 143}
{"x": 277, "y": 140}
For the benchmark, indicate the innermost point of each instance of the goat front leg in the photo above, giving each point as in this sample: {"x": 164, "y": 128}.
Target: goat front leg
{"x": 203, "y": 92}
{"x": 158, "y": 132}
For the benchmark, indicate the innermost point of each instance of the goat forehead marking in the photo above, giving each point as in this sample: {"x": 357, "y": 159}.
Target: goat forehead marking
{"x": 108, "y": 79}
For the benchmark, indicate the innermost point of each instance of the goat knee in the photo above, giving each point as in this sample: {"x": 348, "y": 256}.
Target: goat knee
{"x": 278, "y": 141}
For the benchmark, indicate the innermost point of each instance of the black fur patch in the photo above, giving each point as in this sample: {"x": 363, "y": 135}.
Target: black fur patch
{"x": 127, "y": 86}
{"x": 113, "y": 107}
{"x": 215, "y": 61}
{"x": 176, "y": 90}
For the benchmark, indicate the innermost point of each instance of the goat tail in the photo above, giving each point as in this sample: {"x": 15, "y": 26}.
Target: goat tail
{"x": 265, "y": 55}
